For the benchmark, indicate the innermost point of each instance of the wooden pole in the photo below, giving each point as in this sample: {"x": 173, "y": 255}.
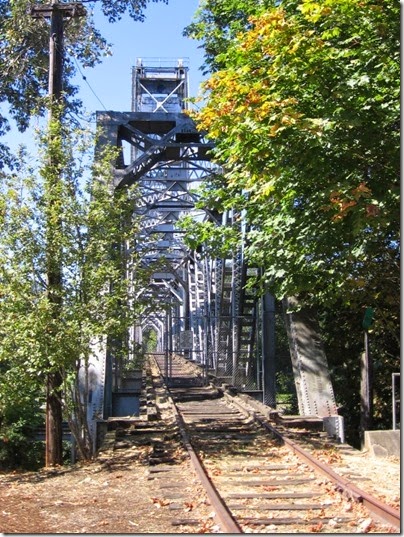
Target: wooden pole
{"x": 54, "y": 413}
{"x": 54, "y": 416}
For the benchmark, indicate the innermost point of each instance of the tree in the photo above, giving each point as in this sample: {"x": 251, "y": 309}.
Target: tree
{"x": 22, "y": 57}
{"x": 95, "y": 292}
{"x": 303, "y": 106}
{"x": 305, "y": 119}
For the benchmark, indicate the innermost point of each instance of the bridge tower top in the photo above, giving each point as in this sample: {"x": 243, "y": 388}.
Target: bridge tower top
{"x": 160, "y": 85}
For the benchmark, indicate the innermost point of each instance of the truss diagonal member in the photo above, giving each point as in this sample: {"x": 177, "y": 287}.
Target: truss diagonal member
{"x": 168, "y": 148}
{"x": 173, "y": 291}
{"x": 143, "y": 165}
{"x": 147, "y": 160}
{"x": 160, "y": 153}
{"x": 136, "y": 137}
{"x": 161, "y": 103}
{"x": 155, "y": 145}
{"x": 150, "y": 94}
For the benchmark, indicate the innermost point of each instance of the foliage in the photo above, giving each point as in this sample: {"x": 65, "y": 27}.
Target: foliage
{"x": 47, "y": 221}
{"x": 217, "y": 241}
{"x": 303, "y": 106}
{"x": 217, "y": 23}
{"x": 114, "y": 9}
{"x": 150, "y": 341}
{"x": 343, "y": 338}
{"x": 20, "y": 415}
{"x": 18, "y": 445}
{"x": 305, "y": 117}
{"x": 286, "y": 396}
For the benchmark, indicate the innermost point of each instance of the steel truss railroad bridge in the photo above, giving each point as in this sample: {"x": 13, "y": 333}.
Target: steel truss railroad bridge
{"x": 206, "y": 311}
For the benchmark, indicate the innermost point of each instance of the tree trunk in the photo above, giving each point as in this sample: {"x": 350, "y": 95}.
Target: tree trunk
{"x": 54, "y": 421}
{"x": 366, "y": 390}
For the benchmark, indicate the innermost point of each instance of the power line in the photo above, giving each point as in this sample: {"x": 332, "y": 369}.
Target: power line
{"x": 88, "y": 84}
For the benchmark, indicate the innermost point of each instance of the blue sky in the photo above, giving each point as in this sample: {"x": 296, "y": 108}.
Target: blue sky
{"x": 160, "y": 36}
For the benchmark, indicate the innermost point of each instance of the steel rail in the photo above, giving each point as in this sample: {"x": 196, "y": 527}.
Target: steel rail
{"x": 222, "y": 514}
{"x": 224, "y": 517}
{"x": 376, "y": 507}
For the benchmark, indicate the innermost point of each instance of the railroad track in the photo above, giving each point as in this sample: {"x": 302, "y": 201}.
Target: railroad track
{"x": 256, "y": 478}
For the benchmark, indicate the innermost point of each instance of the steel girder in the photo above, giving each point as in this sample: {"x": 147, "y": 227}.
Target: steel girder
{"x": 238, "y": 325}
{"x": 170, "y": 158}
{"x": 312, "y": 377}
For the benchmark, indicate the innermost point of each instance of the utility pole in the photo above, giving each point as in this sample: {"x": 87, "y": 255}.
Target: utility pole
{"x": 56, "y": 12}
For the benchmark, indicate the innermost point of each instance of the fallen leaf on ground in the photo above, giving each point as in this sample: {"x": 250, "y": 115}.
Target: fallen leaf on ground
{"x": 160, "y": 502}
{"x": 316, "y": 528}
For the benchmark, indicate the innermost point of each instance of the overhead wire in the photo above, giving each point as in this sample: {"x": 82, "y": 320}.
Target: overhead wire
{"x": 88, "y": 84}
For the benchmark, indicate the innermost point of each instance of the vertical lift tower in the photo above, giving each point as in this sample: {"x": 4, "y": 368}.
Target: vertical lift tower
{"x": 164, "y": 157}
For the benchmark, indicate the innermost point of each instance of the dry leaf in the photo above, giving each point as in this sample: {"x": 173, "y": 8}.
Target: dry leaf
{"x": 206, "y": 527}
{"x": 316, "y": 528}
{"x": 160, "y": 502}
